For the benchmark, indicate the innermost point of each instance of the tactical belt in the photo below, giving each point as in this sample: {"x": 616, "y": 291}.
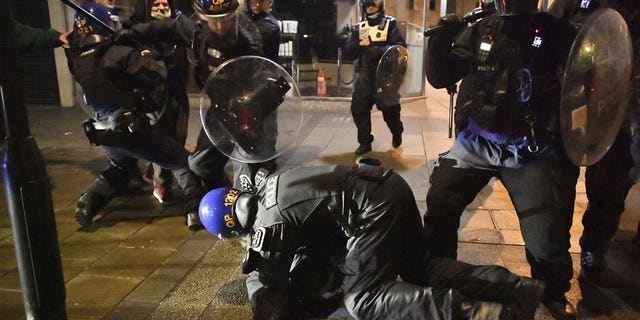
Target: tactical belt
{"x": 496, "y": 138}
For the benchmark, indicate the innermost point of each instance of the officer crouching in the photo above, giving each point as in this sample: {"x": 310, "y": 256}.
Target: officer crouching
{"x": 119, "y": 81}
{"x": 323, "y": 237}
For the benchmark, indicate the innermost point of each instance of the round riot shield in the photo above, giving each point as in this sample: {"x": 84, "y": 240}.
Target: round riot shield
{"x": 595, "y": 87}
{"x": 392, "y": 78}
{"x": 250, "y": 109}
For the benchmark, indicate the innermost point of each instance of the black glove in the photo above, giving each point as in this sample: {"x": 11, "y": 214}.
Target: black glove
{"x": 452, "y": 23}
{"x": 273, "y": 303}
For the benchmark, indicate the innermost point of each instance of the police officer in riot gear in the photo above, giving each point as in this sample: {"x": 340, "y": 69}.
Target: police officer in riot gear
{"x": 609, "y": 180}
{"x": 324, "y": 234}
{"x": 223, "y": 32}
{"x": 118, "y": 81}
{"x": 512, "y": 63}
{"x": 368, "y": 42}
{"x": 174, "y": 117}
{"x": 260, "y": 13}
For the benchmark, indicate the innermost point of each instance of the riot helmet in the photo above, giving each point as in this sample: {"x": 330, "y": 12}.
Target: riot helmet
{"x": 227, "y": 212}
{"x": 256, "y": 7}
{"x": 216, "y": 9}
{"x": 86, "y": 26}
{"x": 372, "y": 8}
{"x": 515, "y": 7}
{"x": 221, "y": 15}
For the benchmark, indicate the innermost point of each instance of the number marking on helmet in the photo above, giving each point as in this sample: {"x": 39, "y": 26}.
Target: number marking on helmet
{"x": 230, "y": 198}
{"x": 228, "y": 219}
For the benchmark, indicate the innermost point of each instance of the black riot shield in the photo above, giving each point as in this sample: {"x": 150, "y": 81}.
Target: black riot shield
{"x": 251, "y": 109}
{"x": 392, "y": 80}
{"x": 596, "y": 87}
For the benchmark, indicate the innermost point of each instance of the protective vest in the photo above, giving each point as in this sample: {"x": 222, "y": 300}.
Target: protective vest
{"x": 105, "y": 91}
{"x": 210, "y": 49}
{"x": 377, "y": 32}
{"x": 516, "y": 81}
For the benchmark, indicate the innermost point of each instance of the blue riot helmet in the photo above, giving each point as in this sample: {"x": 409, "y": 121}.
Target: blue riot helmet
{"x": 85, "y": 26}
{"x": 227, "y": 212}
{"x": 515, "y": 7}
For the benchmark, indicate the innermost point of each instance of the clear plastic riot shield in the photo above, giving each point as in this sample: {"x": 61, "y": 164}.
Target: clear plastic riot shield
{"x": 251, "y": 109}
{"x": 596, "y": 87}
{"x": 393, "y": 75}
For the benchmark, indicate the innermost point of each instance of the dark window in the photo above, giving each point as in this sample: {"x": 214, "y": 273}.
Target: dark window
{"x": 317, "y": 20}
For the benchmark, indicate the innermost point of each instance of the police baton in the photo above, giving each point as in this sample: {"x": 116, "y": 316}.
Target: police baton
{"x": 451, "y": 90}
{"x": 88, "y": 15}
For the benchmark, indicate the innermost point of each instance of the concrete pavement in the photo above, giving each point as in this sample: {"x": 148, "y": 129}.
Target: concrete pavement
{"x": 141, "y": 262}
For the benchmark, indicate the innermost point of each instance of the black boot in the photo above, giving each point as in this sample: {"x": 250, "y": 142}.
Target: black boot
{"x": 559, "y": 307}
{"x": 396, "y": 140}
{"x": 593, "y": 266}
{"x": 524, "y": 300}
{"x": 363, "y": 148}
{"x": 193, "y": 221}
{"x": 88, "y": 206}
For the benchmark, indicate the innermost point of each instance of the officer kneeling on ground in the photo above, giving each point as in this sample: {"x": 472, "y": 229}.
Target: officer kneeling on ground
{"x": 321, "y": 236}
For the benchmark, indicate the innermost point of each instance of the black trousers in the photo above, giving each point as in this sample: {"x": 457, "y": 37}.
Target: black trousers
{"x": 391, "y": 245}
{"x": 542, "y": 191}
{"x": 208, "y": 163}
{"x": 607, "y": 182}
{"x": 156, "y": 148}
{"x": 173, "y": 123}
{"x": 362, "y": 102}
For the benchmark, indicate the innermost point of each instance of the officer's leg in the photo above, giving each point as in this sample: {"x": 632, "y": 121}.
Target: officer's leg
{"x": 521, "y": 295}
{"x": 361, "y": 103}
{"x": 115, "y": 177}
{"x": 452, "y": 189}
{"x": 162, "y": 179}
{"x": 377, "y": 254}
{"x": 391, "y": 115}
{"x": 543, "y": 192}
{"x": 607, "y": 183}
{"x": 208, "y": 163}
{"x": 361, "y": 112}
{"x": 169, "y": 154}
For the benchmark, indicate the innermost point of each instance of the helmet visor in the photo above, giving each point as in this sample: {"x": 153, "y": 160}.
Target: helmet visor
{"x": 225, "y": 10}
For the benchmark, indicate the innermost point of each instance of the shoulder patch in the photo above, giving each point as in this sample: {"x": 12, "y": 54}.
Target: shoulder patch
{"x": 271, "y": 191}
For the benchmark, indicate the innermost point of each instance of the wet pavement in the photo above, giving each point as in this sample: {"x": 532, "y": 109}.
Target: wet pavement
{"x": 139, "y": 261}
